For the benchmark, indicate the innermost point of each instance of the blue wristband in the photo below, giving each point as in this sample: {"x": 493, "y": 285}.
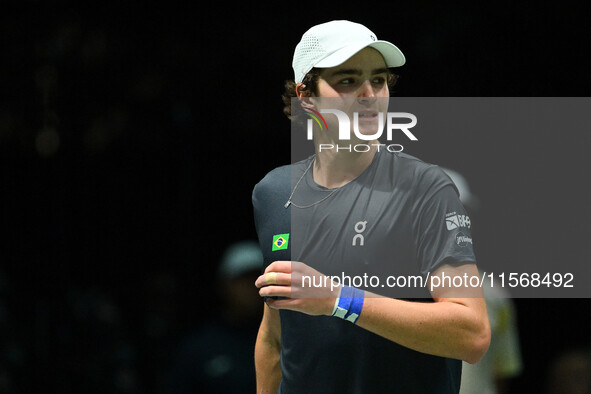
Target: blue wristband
{"x": 349, "y": 304}
{"x": 356, "y": 306}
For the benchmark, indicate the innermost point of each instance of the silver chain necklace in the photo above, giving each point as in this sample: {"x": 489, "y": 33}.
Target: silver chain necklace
{"x": 296, "y": 186}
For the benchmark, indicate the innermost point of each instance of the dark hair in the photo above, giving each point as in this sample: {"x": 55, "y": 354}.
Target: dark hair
{"x": 310, "y": 83}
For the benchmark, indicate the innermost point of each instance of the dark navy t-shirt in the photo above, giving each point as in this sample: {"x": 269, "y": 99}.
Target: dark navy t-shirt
{"x": 401, "y": 217}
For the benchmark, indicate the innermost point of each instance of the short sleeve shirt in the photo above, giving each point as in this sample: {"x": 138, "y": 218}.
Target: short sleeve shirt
{"x": 401, "y": 218}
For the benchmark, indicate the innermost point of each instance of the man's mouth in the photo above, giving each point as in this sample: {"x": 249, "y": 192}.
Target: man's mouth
{"x": 367, "y": 114}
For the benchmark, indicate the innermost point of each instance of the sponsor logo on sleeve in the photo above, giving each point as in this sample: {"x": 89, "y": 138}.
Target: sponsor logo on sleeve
{"x": 463, "y": 240}
{"x": 453, "y": 221}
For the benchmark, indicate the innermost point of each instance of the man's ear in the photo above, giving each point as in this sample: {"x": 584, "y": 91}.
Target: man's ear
{"x": 304, "y": 96}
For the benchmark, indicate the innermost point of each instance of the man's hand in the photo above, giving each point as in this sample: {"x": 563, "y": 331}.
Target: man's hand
{"x": 301, "y": 288}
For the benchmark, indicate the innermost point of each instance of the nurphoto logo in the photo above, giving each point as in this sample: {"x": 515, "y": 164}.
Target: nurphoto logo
{"x": 355, "y": 125}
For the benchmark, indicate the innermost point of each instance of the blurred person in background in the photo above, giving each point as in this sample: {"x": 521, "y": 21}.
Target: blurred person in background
{"x": 570, "y": 372}
{"x": 503, "y": 359}
{"x": 217, "y": 357}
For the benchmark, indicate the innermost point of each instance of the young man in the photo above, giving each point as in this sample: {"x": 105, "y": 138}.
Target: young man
{"x": 356, "y": 212}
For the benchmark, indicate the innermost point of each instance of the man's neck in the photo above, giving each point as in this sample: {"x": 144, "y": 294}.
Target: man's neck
{"x": 334, "y": 169}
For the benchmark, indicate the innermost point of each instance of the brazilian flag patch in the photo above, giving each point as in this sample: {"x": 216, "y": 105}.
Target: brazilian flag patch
{"x": 280, "y": 242}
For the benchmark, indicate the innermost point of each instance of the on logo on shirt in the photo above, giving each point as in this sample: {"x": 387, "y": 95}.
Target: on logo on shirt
{"x": 359, "y": 229}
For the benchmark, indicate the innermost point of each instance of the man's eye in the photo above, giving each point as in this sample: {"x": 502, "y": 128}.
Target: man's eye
{"x": 379, "y": 80}
{"x": 347, "y": 81}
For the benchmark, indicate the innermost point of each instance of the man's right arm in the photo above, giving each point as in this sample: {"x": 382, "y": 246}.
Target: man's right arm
{"x": 266, "y": 352}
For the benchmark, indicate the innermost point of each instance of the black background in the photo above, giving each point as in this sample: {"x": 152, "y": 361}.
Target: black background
{"x": 167, "y": 116}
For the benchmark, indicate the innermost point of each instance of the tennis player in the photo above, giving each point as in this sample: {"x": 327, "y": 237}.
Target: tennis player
{"x": 341, "y": 211}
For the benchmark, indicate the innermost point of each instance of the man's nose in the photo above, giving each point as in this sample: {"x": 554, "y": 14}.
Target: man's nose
{"x": 366, "y": 93}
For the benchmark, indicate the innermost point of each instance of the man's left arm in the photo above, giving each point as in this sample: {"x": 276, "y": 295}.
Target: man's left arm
{"x": 455, "y": 325}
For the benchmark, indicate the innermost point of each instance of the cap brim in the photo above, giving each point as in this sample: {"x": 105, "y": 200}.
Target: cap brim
{"x": 392, "y": 55}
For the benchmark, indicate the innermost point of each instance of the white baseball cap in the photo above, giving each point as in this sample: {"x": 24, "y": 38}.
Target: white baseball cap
{"x": 332, "y": 43}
